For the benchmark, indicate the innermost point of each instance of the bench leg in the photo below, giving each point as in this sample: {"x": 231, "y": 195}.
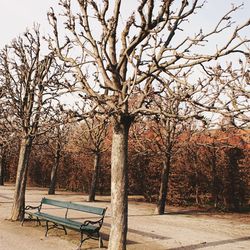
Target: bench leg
{"x": 82, "y": 240}
{"x": 54, "y": 226}
{"x": 22, "y": 221}
{"x": 97, "y": 236}
{"x": 30, "y": 217}
{"x": 47, "y": 228}
{"x": 64, "y": 230}
{"x": 38, "y": 222}
{"x": 100, "y": 242}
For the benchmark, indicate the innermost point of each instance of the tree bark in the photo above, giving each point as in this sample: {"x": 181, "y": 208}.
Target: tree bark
{"x": 119, "y": 182}
{"x": 53, "y": 175}
{"x": 232, "y": 187}
{"x": 197, "y": 188}
{"x": 17, "y": 212}
{"x": 197, "y": 194}
{"x": 1, "y": 167}
{"x": 95, "y": 175}
{"x": 214, "y": 181}
{"x": 160, "y": 207}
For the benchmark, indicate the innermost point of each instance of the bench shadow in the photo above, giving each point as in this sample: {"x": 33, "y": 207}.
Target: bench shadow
{"x": 142, "y": 233}
{"x": 6, "y": 202}
{"x": 211, "y": 244}
{"x": 6, "y": 197}
{"x": 129, "y": 242}
{"x": 189, "y": 212}
{"x": 105, "y": 236}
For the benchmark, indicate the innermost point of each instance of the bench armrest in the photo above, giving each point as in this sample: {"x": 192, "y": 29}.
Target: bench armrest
{"x": 87, "y": 222}
{"x": 31, "y": 207}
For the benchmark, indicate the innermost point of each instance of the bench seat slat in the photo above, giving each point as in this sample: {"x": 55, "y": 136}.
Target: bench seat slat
{"x": 56, "y": 203}
{"x": 87, "y": 209}
{"x": 74, "y": 206}
{"x": 66, "y": 222}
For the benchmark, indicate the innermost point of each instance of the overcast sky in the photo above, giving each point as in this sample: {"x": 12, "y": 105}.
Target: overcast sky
{"x": 17, "y": 15}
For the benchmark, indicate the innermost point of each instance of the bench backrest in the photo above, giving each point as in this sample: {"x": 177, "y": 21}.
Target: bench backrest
{"x": 74, "y": 206}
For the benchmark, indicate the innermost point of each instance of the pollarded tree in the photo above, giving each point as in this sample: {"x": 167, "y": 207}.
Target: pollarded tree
{"x": 30, "y": 80}
{"x": 90, "y": 136}
{"x": 230, "y": 94}
{"x": 2, "y": 136}
{"x": 158, "y": 137}
{"x": 6, "y": 138}
{"x": 212, "y": 155}
{"x": 8, "y": 132}
{"x": 94, "y": 133}
{"x": 56, "y": 140}
{"x": 122, "y": 52}
{"x": 4, "y": 133}
{"x": 1, "y": 165}
{"x": 167, "y": 132}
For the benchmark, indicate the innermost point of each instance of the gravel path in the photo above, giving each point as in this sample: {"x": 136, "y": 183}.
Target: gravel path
{"x": 179, "y": 229}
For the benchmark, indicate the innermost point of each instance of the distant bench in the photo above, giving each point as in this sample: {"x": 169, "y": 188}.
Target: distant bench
{"x": 90, "y": 228}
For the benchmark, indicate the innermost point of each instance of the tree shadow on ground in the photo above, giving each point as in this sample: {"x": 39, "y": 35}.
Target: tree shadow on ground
{"x": 189, "y": 212}
{"x": 210, "y": 244}
{"x": 6, "y": 197}
{"x": 142, "y": 233}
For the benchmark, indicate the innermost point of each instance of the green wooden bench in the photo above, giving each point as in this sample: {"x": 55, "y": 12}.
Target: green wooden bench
{"x": 90, "y": 228}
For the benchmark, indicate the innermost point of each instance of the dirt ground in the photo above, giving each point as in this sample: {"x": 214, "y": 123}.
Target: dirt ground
{"x": 179, "y": 228}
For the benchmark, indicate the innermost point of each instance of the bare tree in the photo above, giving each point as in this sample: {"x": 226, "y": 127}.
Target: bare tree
{"x": 94, "y": 133}
{"x": 119, "y": 56}
{"x": 1, "y": 167}
{"x": 31, "y": 84}
{"x": 3, "y": 133}
{"x": 2, "y": 149}
{"x": 7, "y": 132}
{"x": 167, "y": 133}
{"x": 160, "y": 134}
{"x": 56, "y": 143}
{"x": 2, "y": 144}
{"x": 212, "y": 157}
{"x": 5, "y": 141}
{"x": 228, "y": 92}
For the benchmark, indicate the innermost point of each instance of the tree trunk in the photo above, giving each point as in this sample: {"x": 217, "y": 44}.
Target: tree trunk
{"x": 197, "y": 195}
{"x": 232, "y": 185}
{"x": 95, "y": 175}
{"x": 17, "y": 212}
{"x": 197, "y": 188}
{"x": 160, "y": 207}
{"x": 1, "y": 167}
{"x": 215, "y": 189}
{"x": 53, "y": 175}
{"x": 119, "y": 179}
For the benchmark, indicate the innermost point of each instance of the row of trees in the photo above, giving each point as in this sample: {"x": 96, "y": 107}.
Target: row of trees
{"x": 207, "y": 168}
{"x": 121, "y": 72}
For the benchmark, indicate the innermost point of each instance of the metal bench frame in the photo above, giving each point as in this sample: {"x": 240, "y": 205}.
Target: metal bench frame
{"x": 89, "y": 228}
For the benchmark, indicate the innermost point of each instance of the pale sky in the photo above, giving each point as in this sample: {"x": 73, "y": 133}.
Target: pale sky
{"x": 17, "y": 15}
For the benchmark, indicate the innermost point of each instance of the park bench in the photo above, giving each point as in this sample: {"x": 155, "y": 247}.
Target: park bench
{"x": 90, "y": 228}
